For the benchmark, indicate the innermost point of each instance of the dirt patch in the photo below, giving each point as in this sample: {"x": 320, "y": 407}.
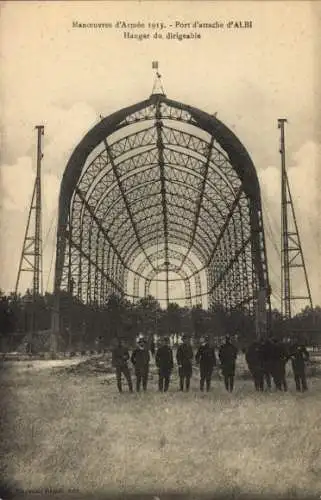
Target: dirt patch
{"x": 95, "y": 365}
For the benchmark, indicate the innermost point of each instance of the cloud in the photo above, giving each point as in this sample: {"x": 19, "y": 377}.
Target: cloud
{"x": 16, "y": 184}
{"x": 66, "y": 128}
{"x": 63, "y": 133}
{"x": 304, "y": 180}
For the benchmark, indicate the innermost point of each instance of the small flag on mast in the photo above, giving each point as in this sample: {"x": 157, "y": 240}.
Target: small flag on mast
{"x": 157, "y": 87}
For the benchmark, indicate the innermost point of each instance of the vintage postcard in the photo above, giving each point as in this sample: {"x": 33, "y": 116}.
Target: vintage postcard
{"x": 160, "y": 277}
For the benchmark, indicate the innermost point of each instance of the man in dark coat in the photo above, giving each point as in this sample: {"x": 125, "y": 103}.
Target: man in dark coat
{"x": 206, "y": 358}
{"x": 254, "y": 359}
{"x": 279, "y": 358}
{"x": 299, "y": 357}
{"x": 120, "y": 357}
{"x": 165, "y": 364}
{"x": 184, "y": 357}
{"x": 140, "y": 359}
{"x": 227, "y": 355}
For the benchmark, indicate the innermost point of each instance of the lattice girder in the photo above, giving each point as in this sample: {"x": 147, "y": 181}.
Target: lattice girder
{"x": 140, "y": 142}
{"x": 161, "y": 170}
{"x": 108, "y": 181}
{"x": 141, "y": 186}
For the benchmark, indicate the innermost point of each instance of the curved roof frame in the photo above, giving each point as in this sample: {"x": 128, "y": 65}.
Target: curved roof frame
{"x": 87, "y": 232}
{"x": 209, "y": 201}
{"x": 175, "y": 241}
{"x": 200, "y": 146}
{"x": 159, "y": 254}
{"x": 153, "y": 239}
{"x": 189, "y": 137}
{"x": 137, "y": 274}
{"x": 155, "y": 220}
{"x": 187, "y": 240}
{"x": 238, "y": 158}
{"x": 94, "y": 175}
{"x": 137, "y": 187}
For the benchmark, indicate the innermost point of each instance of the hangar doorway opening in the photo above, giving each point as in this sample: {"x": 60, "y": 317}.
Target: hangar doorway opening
{"x": 162, "y": 199}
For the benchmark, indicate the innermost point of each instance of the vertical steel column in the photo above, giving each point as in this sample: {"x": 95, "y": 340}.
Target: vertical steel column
{"x": 292, "y": 253}
{"x": 38, "y": 277}
{"x": 31, "y": 255}
{"x": 32, "y": 245}
{"x": 285, "y": 268}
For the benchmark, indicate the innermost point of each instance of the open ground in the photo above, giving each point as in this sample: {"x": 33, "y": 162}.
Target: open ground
{"x": 68, "y": 429}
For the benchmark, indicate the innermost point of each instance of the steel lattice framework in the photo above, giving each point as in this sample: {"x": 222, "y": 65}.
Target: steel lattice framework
{"x": 161, "y": 188}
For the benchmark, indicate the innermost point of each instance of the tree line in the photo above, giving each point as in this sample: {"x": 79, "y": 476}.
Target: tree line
{"x": 118, "y": 317}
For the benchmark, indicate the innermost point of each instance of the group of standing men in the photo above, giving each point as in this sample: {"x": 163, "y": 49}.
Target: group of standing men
{"x": 205, "y": 357}
{"x": 267, "y": 361}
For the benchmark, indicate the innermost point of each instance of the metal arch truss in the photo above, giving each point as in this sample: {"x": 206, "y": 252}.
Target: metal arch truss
{"x": 162, "y": 181}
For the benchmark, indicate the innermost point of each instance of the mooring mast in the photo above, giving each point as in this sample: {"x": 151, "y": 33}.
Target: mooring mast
{"x": 31, "y": 255}
{"x": 291, "y": 248}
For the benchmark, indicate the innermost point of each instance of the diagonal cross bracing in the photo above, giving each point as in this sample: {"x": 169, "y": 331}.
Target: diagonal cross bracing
{"x": 224, "y": 227}
{"x": 120, "y": 186}
{"x": 167, "y": 166}
{"x": 88, "y": 257}
{"x": 200, "y": 198}
{"x": 231, "y": 263}
{"x": 97, "y": 221}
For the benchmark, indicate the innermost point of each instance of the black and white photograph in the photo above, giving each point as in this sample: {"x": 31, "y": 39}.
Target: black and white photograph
{"x": 160, "y": 250}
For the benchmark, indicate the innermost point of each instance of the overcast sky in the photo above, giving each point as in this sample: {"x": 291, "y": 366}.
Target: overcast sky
{"x": 65, "y": 77}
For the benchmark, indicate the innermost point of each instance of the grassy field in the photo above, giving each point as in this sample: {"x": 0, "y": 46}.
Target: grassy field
{"x": 73, "y": 431}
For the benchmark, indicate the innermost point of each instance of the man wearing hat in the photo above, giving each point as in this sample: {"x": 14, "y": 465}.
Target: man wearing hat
{"x": 184, "y": 357}
{"x": 254, "y": 359}
{"x": 140, "y": 359}
{"x": 299, "y": 356}
{"x": 120, "y": 357}
{"x": 279, "y": 358}
{"x": 164, "y": 363}
{"x": 227, "y": 355}
{"x": 206, "y": 358}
